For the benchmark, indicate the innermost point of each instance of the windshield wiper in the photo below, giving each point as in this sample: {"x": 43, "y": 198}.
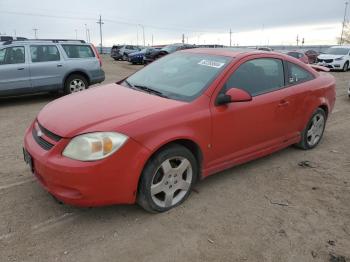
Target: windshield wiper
{"x": 149, "y": 90}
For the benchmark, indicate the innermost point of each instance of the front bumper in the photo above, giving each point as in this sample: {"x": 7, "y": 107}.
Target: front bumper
{"x": 335, "y": 65}
{"x": 113, "y": 180}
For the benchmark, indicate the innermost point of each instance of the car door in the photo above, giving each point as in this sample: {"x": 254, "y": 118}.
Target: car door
{"x": 14, "y": 71}
{"x": 243, "y": 129}
{"x": 298, "y": 82}
{"x": 46, "y": 67}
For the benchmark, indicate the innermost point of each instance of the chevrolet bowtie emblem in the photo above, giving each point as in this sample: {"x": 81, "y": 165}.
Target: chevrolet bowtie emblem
{"x": 39, "y": 133}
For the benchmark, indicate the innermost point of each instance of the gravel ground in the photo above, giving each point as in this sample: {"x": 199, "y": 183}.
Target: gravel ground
{"x": 270, "y": 209}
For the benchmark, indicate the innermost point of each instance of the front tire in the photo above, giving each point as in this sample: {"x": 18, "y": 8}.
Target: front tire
{"x": 167, "y": 179}
{"x": 346, "y": 66}
{"x": 75, "y": 83}
{"x": 313, "y": 132}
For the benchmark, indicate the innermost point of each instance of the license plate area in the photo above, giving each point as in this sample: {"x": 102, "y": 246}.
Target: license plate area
{"x": 28, "y": 159}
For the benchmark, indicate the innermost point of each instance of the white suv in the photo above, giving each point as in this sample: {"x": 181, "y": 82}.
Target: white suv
{"x": 335, "y": 57}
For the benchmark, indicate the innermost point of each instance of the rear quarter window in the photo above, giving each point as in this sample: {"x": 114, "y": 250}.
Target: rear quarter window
{"x": 298, "y": 75}
{"x": 78, "y": 51}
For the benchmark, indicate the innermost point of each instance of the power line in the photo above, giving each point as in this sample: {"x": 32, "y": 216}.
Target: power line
{"x": 168, "y": 28}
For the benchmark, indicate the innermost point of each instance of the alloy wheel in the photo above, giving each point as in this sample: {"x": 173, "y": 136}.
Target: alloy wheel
{"x": 315, "y": 131}
{"x": 171, "y": 181}
{"x": 77, "y": 85}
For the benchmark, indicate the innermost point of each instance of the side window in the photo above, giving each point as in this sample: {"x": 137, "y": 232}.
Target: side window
{"x": 298, "y": 74}
{"x": 44, "y": 53}
{"x": 78, "y": 51}
{"x": 12, "y": 55}
{"x": 258, "y": 76}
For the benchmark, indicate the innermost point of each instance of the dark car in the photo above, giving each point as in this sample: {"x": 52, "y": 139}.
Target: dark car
{"x": 115, "y": 52}
{"x": 148, "y": 58}
{"x": 299, "y": 55}
{"x": 122, "y": 52}
{"x": 312, "y": 56}
{"x": 137, "y": 57}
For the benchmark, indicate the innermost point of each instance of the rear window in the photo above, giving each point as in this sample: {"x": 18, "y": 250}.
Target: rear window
{"x": 78, "y": 51}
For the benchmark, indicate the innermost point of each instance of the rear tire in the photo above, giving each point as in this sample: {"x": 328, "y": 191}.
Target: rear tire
{"x": 167, "y": 179}
{"x": 75, "y": 83}
{"x": 313, "y": 132}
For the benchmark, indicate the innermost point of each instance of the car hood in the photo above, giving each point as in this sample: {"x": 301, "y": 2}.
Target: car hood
{"x": 326, "y": 56}
{"x": 104, "y": 108}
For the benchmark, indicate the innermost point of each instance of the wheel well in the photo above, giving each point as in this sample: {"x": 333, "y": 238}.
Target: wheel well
{"x": 76, "y": 73}
{"x": 325, "y": 109}
{"x": 190, "y": 145}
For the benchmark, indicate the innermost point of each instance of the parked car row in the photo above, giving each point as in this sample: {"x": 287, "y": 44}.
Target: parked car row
{"x": 335, "y": 57}
{"x": 32, "y": 66}
{"x": 136, "y": 55}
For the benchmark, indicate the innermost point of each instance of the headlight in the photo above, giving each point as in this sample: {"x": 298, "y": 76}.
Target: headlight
{"x": 94, "y": 146}
{"x": 339, "y": 59}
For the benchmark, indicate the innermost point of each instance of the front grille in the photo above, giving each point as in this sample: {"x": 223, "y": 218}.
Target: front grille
{"x": 43, "y": 143}
{"x": 325, "y": 60}
{"x": 49, "y": 134}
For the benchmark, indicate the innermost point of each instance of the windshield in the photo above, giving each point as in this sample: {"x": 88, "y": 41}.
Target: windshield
{"x": 180, "y": 76}
{"x": 337, "y": 51}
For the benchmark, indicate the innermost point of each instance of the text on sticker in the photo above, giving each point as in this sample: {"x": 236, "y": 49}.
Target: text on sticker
{"x": 211, "y": 63}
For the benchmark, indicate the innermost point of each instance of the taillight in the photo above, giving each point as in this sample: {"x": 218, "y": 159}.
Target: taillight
{"x": 97, "y": 54}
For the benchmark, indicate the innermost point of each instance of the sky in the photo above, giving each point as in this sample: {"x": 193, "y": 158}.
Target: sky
{"x": 253, "y": 22}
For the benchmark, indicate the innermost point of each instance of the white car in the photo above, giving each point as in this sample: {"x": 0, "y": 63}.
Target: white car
{"x": 335, "y": 57}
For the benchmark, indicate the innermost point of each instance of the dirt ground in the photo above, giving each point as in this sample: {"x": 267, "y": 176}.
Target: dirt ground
{"x": 270, "y": 209}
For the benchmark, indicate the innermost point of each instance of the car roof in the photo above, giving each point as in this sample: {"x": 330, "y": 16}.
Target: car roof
{"x": 230, "y": 52}
{"x": 44, "y": 41}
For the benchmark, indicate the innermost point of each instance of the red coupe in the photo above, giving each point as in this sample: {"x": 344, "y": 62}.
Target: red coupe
{"x": 189, "y": 115}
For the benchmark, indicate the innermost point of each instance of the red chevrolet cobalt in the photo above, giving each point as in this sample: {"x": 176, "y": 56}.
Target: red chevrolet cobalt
{"x": 150, "y": 137}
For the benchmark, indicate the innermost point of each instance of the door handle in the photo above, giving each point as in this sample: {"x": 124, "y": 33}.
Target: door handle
{"x": 21, "y": 68}
{"x": 283, "y": 103}
{"x": 59, "y": 65}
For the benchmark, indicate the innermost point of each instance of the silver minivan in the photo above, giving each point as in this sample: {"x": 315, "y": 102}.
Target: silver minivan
{"x": 32, "y": 66}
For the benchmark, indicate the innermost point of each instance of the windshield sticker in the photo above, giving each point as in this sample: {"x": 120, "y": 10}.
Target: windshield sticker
{"x": 211, "y": 63}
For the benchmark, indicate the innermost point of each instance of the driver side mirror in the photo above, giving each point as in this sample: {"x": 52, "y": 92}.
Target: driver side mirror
{"x": 233, "y": 95}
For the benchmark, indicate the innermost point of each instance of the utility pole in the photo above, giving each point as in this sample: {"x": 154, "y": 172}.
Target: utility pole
{"x": 344, "y": 22}
{"x": 297, "y": 40}
{"x": 143, "y": 34}
{"x": 100, "y": 22}
{"x": 303, "y": 41}
{"x": 183, "y": 38}
{"x": 137, "y": 35}
{"x": 230, "y": 37}
{"x": 35, "y": 33}
{"x": 88, "y": 35}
